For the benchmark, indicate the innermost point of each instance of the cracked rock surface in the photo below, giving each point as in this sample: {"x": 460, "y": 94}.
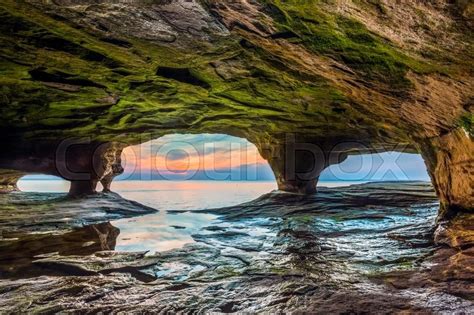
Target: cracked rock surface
{"x": 279, "y": 253}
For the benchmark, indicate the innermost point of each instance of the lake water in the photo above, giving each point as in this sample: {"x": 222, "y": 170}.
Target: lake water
{"x": 169, "y": 229}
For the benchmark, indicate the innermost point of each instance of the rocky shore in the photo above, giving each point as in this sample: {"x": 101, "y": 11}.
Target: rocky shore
{"x": 361, "y": 249}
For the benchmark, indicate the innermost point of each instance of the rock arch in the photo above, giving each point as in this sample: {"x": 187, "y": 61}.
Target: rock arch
{"x": 295, "y": 160}
{"x": 326, "y": 72}
{"x": 79, "y": 161}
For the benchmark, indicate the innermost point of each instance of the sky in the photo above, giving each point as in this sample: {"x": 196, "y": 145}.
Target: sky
{"x": 202, "y": 156}
{"x": 223, "y": 157}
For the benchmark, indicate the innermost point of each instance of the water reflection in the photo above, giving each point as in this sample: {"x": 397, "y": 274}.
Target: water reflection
{"x": 161, "y": 231}
{"x": 18, "y": 251}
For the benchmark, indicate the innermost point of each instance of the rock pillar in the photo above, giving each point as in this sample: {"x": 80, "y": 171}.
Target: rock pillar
{"x": 298, "y": 164}
{"x": 450, "y": 163}
{"x": 112, "y": 161}
{"x": 85, "y": 164}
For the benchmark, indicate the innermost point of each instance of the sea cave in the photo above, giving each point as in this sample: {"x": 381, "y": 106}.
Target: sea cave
{"x": 174, "y": 156}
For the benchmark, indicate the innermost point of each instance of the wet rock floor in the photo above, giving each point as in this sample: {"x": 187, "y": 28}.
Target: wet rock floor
{"x": 360, "y": 249}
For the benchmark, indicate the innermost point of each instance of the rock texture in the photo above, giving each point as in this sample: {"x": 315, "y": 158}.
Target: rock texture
{"x": 372, "y": 75}
{"x": 8, "y": 180}
{"x": 49, "y": 212}
{"x": 359, "y": 249}
{"x": 81, "y": 161}
{"x": 450, "y": 163}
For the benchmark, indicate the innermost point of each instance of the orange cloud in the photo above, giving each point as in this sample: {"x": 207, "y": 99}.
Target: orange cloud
{"x": 192, "y": 160}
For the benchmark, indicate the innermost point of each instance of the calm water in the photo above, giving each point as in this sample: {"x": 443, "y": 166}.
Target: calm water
{"x": 167, "y": 230}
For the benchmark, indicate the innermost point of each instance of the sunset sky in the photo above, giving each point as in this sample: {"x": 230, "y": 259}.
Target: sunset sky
{"x": 223, "y": 157}
{"x": 202, "y": 156}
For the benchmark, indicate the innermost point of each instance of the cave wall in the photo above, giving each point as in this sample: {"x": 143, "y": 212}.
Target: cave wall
{"x": 450, "y": 163}
{"x": 380, "y": 74}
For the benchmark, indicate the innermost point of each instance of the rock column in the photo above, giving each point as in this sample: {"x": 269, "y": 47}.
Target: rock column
{"x": 450, "y": 162}
{"x": 298, "y": 164}
{"x": 112, "y": 161}
{"x": 87, "y": 165}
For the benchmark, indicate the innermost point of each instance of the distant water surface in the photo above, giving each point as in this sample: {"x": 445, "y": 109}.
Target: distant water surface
{"x": 180, "y": 195}
{"x": 167, "y": 230}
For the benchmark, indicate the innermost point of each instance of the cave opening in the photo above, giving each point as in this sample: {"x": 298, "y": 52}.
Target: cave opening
{"x": 218, "y": 157}
{"x": 374, "y": 167}
{"x": 194, "y": 171}
{"x": 43, "y": 184}
{"x": 185, "y": 160}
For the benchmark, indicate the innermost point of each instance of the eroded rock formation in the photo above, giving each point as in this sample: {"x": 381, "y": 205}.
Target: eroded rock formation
{"x": 450, "y": 161}
{"x": 297, "y": 165}
{"x": 365, "y": 75}
{"x": 79, "y": 160}
{"x": 8, "y": 180}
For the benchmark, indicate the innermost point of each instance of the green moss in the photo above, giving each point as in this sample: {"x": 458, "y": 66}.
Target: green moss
{"x": 467, "y": 123}
{"x": 348, "y": 41}
{"x": 260, "y": 92}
